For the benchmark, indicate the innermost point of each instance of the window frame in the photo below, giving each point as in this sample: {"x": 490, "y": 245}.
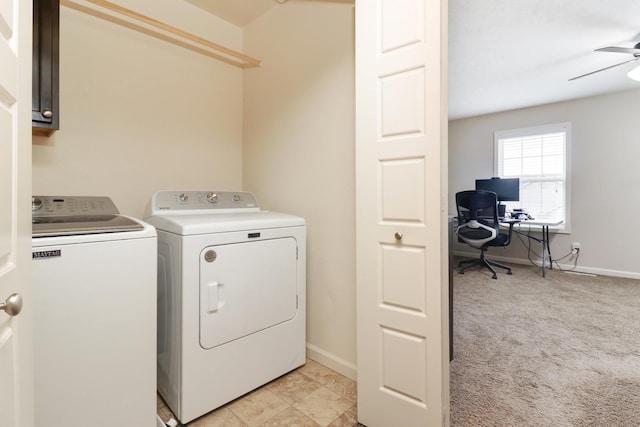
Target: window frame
{"x": 565, "y": 127}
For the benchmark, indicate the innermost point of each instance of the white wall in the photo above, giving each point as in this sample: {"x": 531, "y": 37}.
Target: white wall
{"x": 299, "y": 154}
{"x": 139, "y": 114}
{"x": 605, "y": 181}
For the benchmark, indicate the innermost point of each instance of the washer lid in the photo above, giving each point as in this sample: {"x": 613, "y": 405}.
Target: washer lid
{"x": 65, "y": 216}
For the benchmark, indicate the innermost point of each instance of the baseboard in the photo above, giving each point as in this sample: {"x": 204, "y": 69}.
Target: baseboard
{"x": 332, "y": 361}
{"x": 578, "y": 269}
{"x": 602, "y": 271}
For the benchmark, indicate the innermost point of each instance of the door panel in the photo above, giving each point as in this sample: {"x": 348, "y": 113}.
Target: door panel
{"x": 401, "y": 210}
{"x": 6, "y": 170}
{"x": 403, "y": 190}
{"x": 402, "y": 24}
{"x": 403, "y": 368}
{"x": 402, "y": 109}
{"x": 8, "y": 384}
{"x": 403, "y": 277}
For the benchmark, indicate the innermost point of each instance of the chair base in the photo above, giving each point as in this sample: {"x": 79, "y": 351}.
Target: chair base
{"x": 483, "y": 262}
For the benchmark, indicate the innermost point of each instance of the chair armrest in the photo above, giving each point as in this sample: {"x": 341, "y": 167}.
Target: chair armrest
{"x": 511, "y": 223}
{"x": 476, "y": 225}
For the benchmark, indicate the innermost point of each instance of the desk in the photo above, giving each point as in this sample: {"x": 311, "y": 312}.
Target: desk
{"x": 544, "y": 241}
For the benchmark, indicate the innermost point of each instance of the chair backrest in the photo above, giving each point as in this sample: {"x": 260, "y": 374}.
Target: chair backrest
{"x": 477, "y": 217}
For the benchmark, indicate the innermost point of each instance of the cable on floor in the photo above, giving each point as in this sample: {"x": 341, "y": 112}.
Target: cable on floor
{"x": 575, "y": 261}
{"x": 528, "y": 245}
{"x": 530, "y": 251}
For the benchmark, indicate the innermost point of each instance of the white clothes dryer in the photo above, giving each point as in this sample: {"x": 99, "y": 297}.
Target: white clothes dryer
{"x": 231, "y": 297}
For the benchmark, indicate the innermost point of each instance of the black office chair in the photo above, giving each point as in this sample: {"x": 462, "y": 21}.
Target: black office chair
{"x": 479, "y": 228}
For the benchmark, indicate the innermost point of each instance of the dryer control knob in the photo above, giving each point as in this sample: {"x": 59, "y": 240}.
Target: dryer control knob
{"x": 183, "y": 197}
{"x": 211, "y": 197}
{"x": 236, "y": 197}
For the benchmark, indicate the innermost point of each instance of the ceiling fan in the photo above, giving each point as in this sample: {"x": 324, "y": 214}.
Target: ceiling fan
{"x": 635, "y": 51}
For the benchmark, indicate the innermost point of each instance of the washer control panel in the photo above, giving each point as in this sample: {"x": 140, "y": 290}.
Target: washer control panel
{"x": 68, "y": 216}
{"x": 47, "y": 206}
{"x": 180, "y": 201}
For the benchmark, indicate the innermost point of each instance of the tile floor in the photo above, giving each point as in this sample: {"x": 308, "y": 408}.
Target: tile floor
{"x": 310, "y": 396}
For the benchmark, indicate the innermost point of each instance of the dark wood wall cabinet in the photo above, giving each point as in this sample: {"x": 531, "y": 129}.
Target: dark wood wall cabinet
{"x": 45, "y": 112}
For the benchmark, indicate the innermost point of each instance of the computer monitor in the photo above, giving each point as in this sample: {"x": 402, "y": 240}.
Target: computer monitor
{"x": 507, "y": 189}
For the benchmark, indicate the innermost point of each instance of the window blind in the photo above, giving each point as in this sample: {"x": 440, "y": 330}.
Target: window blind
{"x": 538, "y": 156}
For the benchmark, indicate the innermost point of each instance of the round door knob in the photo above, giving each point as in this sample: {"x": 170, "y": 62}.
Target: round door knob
{"x": 13, "y": 305}
{"x": 398, "y": 235}
{"x": 47, "y": 113}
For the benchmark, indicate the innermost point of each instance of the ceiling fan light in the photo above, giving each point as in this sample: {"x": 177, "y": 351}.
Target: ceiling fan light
{"x": 634, "y": 74}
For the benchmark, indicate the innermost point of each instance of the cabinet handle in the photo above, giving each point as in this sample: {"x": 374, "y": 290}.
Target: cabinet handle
{"x": 13, "y": 305}
{"x": 398, "y": 235}
{"x": 47, "y": 113}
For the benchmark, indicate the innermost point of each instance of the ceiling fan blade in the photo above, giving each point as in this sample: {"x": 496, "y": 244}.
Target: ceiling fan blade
{"x": 631, "y": 50}
{"x": 605, "y": 68}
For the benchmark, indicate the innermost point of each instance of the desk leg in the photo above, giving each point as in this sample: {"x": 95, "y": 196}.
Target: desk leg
{"x": 544, "y": 251}
{"x": 546, "y": 231}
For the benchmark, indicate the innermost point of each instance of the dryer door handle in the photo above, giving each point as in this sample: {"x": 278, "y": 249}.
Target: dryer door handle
{"x": 213, "y": 297}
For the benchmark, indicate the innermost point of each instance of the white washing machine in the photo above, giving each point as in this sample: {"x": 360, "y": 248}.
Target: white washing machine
{"x": 94, "y": 287}
{"x": 231, "y": 297}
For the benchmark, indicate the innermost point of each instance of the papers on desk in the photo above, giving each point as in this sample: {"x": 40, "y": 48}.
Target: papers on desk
{"x": 543, "y": 222}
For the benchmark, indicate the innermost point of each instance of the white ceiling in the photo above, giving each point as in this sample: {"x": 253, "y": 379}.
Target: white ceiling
{"x": 507, "y": 54}
{"x": 238, "y": 12}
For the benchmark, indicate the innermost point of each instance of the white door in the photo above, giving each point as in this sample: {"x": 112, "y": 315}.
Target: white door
{"x": 16, "y": 348}
{"x": 401, "y": 192}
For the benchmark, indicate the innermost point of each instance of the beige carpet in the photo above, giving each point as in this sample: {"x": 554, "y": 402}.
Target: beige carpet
{"x": 560, "y": 351}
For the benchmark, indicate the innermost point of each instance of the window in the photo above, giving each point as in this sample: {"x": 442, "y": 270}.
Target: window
{"x": 538, "y": 156}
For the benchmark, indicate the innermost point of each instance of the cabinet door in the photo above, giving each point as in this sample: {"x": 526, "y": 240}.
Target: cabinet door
{"x": 44, "y": 98}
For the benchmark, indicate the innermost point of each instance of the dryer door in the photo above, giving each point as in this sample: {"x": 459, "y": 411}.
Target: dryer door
{"x": 245, "y": 288}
